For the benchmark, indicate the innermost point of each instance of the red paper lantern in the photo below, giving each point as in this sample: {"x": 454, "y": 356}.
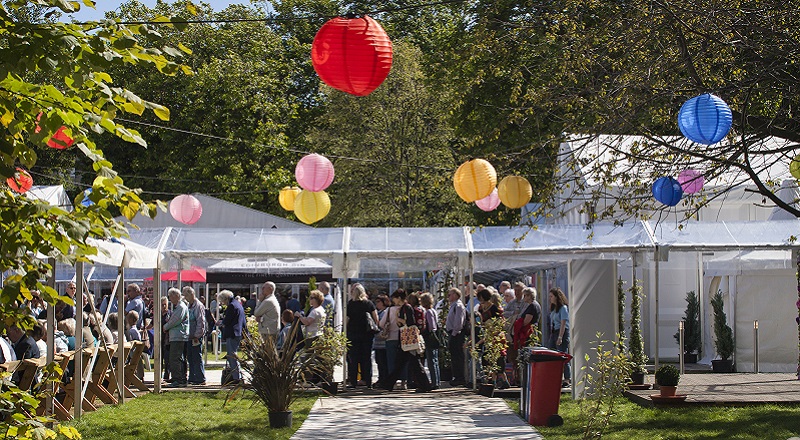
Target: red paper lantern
{"x": 21, "y": 181}
{"x": 314, "y": 172}
{"x": 353, "y": 55}
{"x": 186, "y": 209}
{"x": 60, "y": 140}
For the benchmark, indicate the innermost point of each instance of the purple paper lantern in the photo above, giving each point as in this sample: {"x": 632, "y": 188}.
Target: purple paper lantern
{"x": 490, "y": 202}
{"x": 667, "y": 191}
{"x": 691, "y": 181}
{"x": 186, "y": 209}
{"x": 314, "y": 173}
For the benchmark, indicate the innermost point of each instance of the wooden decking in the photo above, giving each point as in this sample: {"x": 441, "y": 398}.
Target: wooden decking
{"x": 730, "y": 389}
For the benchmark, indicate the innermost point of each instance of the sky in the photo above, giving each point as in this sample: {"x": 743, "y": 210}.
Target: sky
{"x": 86, "y": 13}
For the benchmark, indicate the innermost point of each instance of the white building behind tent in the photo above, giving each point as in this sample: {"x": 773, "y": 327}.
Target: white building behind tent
{"x": 54, "y": 195}
{"x": 755, "y": 286}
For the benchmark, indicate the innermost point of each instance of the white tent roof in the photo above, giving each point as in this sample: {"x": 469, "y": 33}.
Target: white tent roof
{"x": 218, "y": 213}
{"x": 54, "y": 195}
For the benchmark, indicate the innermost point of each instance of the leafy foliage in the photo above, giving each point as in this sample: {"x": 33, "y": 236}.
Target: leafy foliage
{"x": 493, "y": 337}
{"x": 723, "y": 334}
{"x": 691, "y": 326}
{"x": 605, "y": 377}
{"x": 636, "y": 348}
{"x": 18, "y": 419}
{"x": 621, "y": 312}
{"x": 668, "y": 375}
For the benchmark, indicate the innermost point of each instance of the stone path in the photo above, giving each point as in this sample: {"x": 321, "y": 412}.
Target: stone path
{"x": 731, "y": 388}
{"x": 405, "y": 416}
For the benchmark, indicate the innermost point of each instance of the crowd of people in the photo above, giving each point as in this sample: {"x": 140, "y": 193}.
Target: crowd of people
{"x": 373, "y": 327}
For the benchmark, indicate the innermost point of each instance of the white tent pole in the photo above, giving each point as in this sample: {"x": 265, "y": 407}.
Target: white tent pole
{"x": 343, "y": 298}
{"x": 205, "y": 339}
{"x": 157, "y": 328}
{"x": 51, "y": 334}
{"x": 657, "y": 258}
{"x": 121, "y": 335}
{"x": 471, "y": 291}
{"x": 77, "y": 377}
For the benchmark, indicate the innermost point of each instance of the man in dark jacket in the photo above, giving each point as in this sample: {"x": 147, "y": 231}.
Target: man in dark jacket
{"x": 233, "y": 323}
{"x": 24, "y": 347}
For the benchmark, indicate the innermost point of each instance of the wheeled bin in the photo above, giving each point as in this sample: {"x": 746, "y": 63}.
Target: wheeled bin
{"x": 541, "y": 386}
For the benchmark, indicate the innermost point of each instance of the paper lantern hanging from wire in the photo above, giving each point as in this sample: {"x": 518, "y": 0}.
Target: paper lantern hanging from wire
{"x": 474, "y": 180}
{"x": 515, "y": 191}
{"x": 21, "y": 182}
{"x": 691, "y": 181}
{"x": 60, "y": 139}
{"x": 490, "y": 202}
{"x": 311, "y": 207}
{"x": 186, "y": 209}
{"x": 353, "y": 55}
{"x": 287, "y": 196}
{"x": 667, "y": 191}
{"x": 794, "y": 167}
{"x": 314, "y": 172}
{"x": 705, "y": 119}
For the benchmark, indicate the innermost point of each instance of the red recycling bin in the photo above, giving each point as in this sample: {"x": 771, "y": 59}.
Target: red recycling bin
{"x": 541, "y": 385}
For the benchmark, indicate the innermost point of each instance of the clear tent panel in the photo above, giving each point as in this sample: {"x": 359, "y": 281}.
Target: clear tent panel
{"x": 729, "y": 235}
{"x": 388, "y": 241}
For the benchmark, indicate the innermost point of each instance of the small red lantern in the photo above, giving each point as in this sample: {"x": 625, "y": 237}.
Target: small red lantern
{"x": 60, "y": 140}
{"x": 21, "y": 181}
{"x": 353, "y": 55}
{"x": 186, "y": 209}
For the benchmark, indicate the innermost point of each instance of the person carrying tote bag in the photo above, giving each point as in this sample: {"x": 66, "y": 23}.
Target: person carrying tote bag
{"x": 405, "y": 317}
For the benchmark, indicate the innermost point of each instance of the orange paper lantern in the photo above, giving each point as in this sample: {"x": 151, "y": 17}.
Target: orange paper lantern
{"x": 515, "y": 191}
{"x": 311, "y": 207}
{"x": 21, "y": 181}
{"x": 353, "y": 55}
{"x": 474, "y": 180}
{"x": 287, "y": 197}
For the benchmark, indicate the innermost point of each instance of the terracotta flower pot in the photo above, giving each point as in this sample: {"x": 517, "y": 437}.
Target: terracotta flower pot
{"x": 667, "y": 391}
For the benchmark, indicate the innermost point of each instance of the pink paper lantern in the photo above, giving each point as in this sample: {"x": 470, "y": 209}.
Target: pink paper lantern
{"x": 691, "y": 181}
{"x": 186, "y": 209}
{"x": 314, "y": 173}
{"x": 490, "y": 202}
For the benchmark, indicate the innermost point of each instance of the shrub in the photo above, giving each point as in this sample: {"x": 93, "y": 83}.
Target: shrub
{"x": 668, "y": 376}
{"x": 691, "y": 326}
{"x": 723, "y": 333}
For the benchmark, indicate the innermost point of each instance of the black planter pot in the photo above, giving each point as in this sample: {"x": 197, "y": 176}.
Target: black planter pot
{"x": 486, "y": 389}
{"x": 690, "y": 358}
{"x": 722, "y": 366}
{"x": 637, "y": 378}
{"x": 331, "y": 388}
{"x": 280, "y": 419}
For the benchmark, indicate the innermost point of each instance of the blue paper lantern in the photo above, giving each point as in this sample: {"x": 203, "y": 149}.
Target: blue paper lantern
{"x": 705, "y": 119}
{"x": 86, "y": 202}
{"x": 667, "y": 191}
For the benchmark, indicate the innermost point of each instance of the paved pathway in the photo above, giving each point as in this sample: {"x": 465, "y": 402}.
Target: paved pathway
{"x": 731, "y": 388}
{"x": 445, "y": 415}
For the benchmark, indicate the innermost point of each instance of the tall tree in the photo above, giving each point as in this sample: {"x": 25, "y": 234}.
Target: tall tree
{"x": 400, "y": 137}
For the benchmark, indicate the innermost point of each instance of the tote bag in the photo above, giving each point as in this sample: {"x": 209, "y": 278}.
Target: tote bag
{"x": 410, "y": 339}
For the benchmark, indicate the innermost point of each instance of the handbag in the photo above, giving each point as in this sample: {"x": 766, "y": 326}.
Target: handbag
{"x": 410, "y": 339}
{"x": 372, "y": 326}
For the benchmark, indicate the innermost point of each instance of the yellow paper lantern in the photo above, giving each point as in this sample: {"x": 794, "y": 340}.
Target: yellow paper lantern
{"x": 311, "y": 207}
{"x": 794, "y": 167}
{"x": 287, "y": 196}
{"x": 474, "y": 180}
{"x": 515, "y": 191}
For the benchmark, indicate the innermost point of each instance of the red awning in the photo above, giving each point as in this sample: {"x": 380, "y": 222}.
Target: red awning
{"x": 193, "y": 275}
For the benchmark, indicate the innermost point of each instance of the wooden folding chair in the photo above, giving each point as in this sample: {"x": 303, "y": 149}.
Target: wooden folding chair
{"x": 69, "y": 398}
{"x": 100, "y": 375}
{"x": 112, "y": 378}
{"x": 134, "y": 359}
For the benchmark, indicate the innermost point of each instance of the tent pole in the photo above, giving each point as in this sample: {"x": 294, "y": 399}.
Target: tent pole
{"x": 657, "y": 258}
{"x": 77, "y": 377}
{"x": 343, "y": 282}
{"x": 471, "y": 291}
{"x": 157, "y": 329}
{"x": 121, "y": 336}
{"x": 205, "y": 339}
{"x": 51, "y": 334}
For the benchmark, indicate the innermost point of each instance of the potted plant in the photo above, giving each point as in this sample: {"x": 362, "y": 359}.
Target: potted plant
{"x": 273, "y": 375}
{"x": 667, "y": 377}
{"x": 636, "y": 344}
{"x": 691, "y": 329}
{"x": 724, "y": 337}
{"x": 494, "y": 347}
{"x": 329, "y": 349}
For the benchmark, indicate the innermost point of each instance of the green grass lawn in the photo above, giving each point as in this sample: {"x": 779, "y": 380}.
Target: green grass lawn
{"x": 757, "y": 422}
{"x": 188, "y": 416}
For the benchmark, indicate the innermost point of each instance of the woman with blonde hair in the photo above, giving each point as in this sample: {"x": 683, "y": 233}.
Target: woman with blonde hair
{"x": 359, "y": 357}
{"x": 313, "y": 323}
